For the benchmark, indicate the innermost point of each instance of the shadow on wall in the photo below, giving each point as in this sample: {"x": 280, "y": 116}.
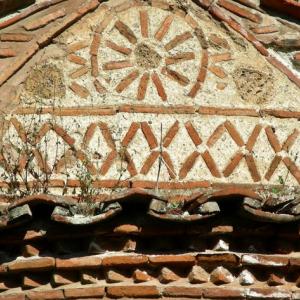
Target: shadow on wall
{"x": 9, "y": 6}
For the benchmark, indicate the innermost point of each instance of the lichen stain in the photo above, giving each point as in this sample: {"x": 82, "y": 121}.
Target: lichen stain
{"x": 46, "y": 81}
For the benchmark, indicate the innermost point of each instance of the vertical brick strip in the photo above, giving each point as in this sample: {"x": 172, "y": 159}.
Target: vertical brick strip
{"x": 144, "y": 22}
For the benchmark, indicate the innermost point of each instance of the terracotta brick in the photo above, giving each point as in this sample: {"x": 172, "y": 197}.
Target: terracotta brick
{"x": 101, "y": 27}
{"x": 76, "y": 59}
{"x": 221, "y": 293}
{"x": 240, "y": 11}
{"x": 7, "y": 52}
{"x": 79, "y": 262}
{"x": 114, "y": 277}
{"x": 133, "y": 291}
{"x": 150, "y": 137}
{"x": 172, "y": 260}
{"x": 167, "y": 276}
{"x": 120, "y": 49}
{"x": 115, "y": 65}
{"x": 85, "y": 292}
{"x": 127, "y": 229}
{"x": 149, "y": 162}
{"x": 45, "y": 295}
{"x": 171, "y": 134}
{"x": 178, "y": 40}
{"x": 188, "y": 164}
{"x": 123, "y": 261}
{"x": 175, "y": 76}
{"x": 160, "y": 4}
{"x": 193, "y": 133}
{"x": 16, "y": 37}
{"x": 36, "y": 24}
{"x": 220, "y": 57}
{"x": 183, "y": 291}
{"x": 13, "y": 297}
{"x": 210, "y": 163}
{"x": 32, "y": 264}
{"x": 63, "y": 278}
{"x": 126, "y": 32}
{"x": 77, "y": 46}
{"x": 127, "y": 81}
{"x": 234, "y": 161}
{"x": 144, "y": 22}
{"x": 191, "y": 21}
{"x": 181, "y": 57}
{"x": 164, "y": 27}
{"x": 224, "y": 259}
{"x": 79, "y": 72}
{"x": 218, "y": 71}
{"x": 79, "y": 90}
{"x": 99, "y": 87}
{"x": 294, "y": 261}
{"x": 265, "y": 29}
{"x": 268, "y": 293}
{"x": 159, "y": 86}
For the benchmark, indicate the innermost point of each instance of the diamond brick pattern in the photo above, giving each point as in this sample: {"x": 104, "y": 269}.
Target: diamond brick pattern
{"x": 157, "y": 149}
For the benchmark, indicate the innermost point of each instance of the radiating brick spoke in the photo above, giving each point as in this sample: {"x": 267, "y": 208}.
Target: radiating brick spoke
{"x": 126, "y": 32}
{"x": 142, "y": 89}
{"x": 188, "y": 165}
{"x": 178, "y": 40}
{"x": 164, "y": 28}
{"x": 179, "y": 58}
{"x": 120, "y": 49}
{"x": 159, "y": 86}
{"x": 127, "y": 81}
{"x": 117, "y": 65}
{"x": 144, "y": 23}
{"x": 176, "y": 76}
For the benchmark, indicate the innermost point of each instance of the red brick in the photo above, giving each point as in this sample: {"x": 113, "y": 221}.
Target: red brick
{"x": 163, "y": 29}
{"x": 16, "y": 37}
{"x": 220, "y": 293}
{"x": 125, "y": 260}
{"x": 183, "y": 291}
{"x": 30, "y": 250}
{"x": 126, "y": 32}
{"x": 172, "y": 260}
{"x": 7, "y": 52}
{"x": 32, "y": 264}
{"x": 159, "y": 86}
{"x": 265, "y": 29}
{"x": 133, "y": 291}
{"x": 85, "y": 292}
{"x": 45, "y": 295}
{"x": 79, "y": 90}
{"x": 264, "y": 260}
{"x": 79, "y": 262}
{"x": 223, "y": 259}
{"x": 13, "y": 297}
{"x": 127, "y": 229}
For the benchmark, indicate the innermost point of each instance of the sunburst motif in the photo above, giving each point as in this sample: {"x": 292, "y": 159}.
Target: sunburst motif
{"x": 149, "y": 57}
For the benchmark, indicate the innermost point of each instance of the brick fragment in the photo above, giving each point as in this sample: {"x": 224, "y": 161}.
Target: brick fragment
{"x": 63, "y": 278}
{"x": 175, "y": 76}
{"x": 29, "y": 250}
{"x": 267, "y": 293}
{"x": 264, "y": 260}
{"x": 141, "y": 276}
{"x": 226, "y": 259}
{"x": 32, "y": 281}
{"x": 220, "y": 57}
{"x": 36, "y": 24}
{"x": 115, "y": 65}
{"x": 13, "y": 297}
{"x": 127, "y": 229}
{"x": 218, "y": 71}
{"x": 275, "y": 280}
{"x": 114, "y": 277}
{"x": 198, "y": 275}
{"x": 265, "y": 29}
{"x": 220, "y": 276}
{"x": 87, "y": 292}
{"x": 140, "y": 291}
{"x": 77, "y": 46}
{"x": 167, "y": 276}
